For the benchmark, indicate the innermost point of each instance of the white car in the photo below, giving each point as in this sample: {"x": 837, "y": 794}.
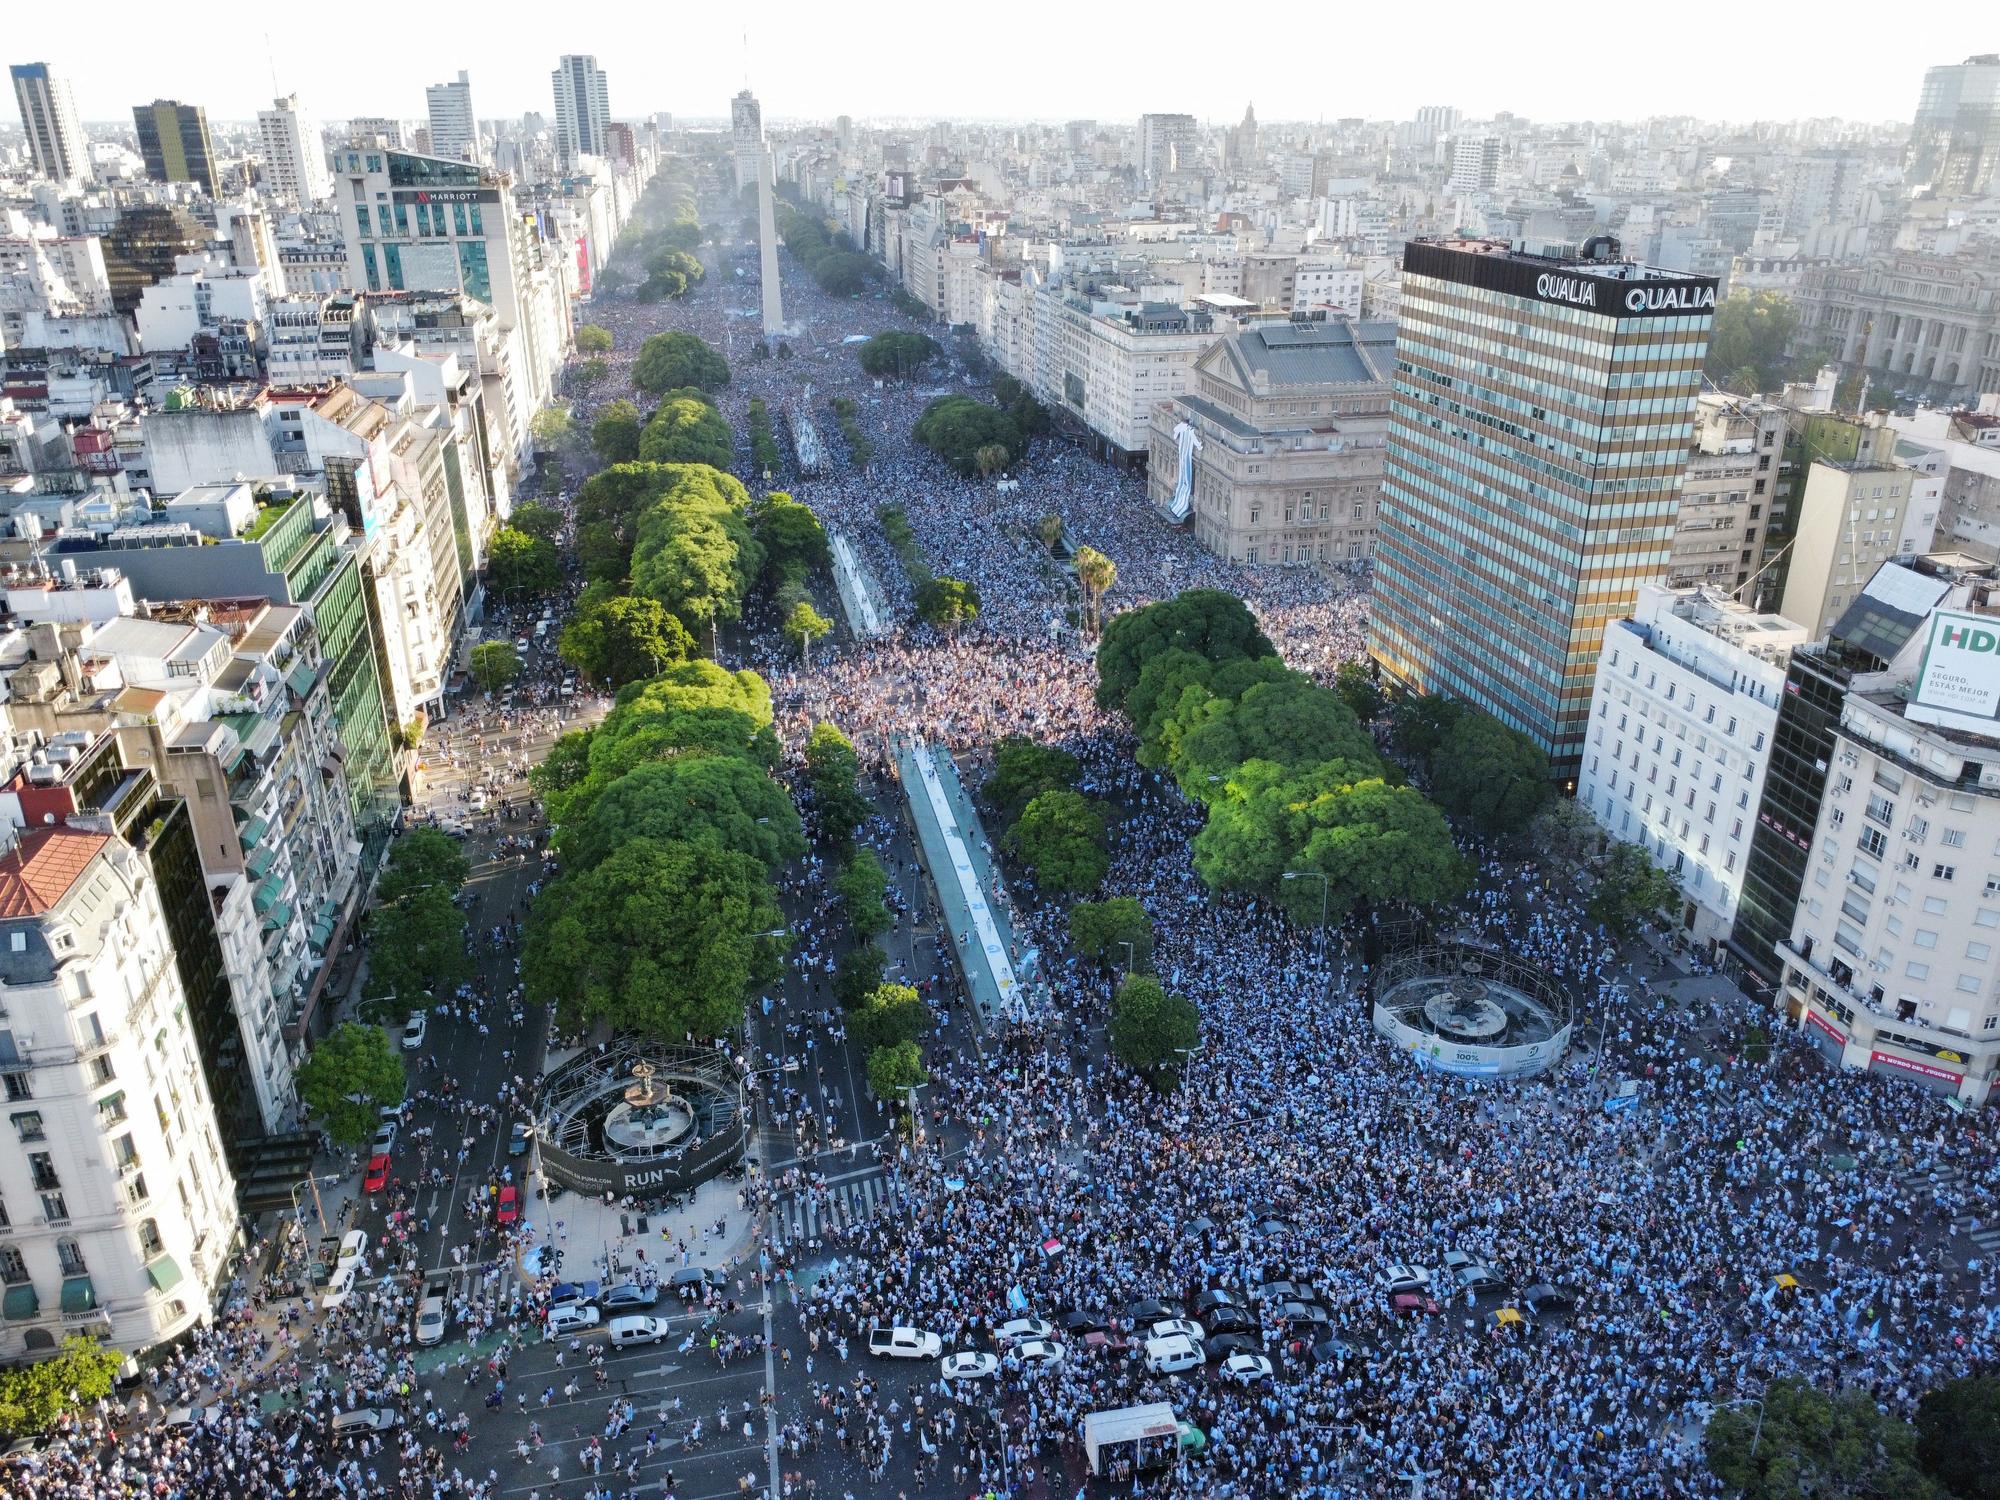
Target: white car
{"x": 571, "y": 1317}
{"x": 1039, "y": 1354}
{"x": 385, "y": 1139}
{"x": 638, "y": 1329}
{"x": 1171, "y": 1355}
{"x": 353, "y": 1248}
{"x": 1401, "y": 1278}
{"x": 970, "y": 1366}
{"x": 1018, "y": 1329}
{"x": 366, "y": 1419}
{"x": 414, "y": 1030}
{"x": 340, "y": 1287}
{"x": 1244, "y": 1369}
{"x": 1185, "y": 1328}
{"x": 430, "y": 1321}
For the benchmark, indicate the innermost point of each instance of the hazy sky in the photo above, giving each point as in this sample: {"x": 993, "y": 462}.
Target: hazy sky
{"x": 901, "y": 59}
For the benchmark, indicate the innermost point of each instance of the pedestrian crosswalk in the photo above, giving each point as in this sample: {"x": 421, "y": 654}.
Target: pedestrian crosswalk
{"x": 809, "y": 1214}
{"x": 1948, "y": 1186}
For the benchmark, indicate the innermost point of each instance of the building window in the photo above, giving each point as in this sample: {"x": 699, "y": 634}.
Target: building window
{"x": 13, "y": 1269}
{"x": 1944, "y": 872}
{"x": 19, "y": 1086}
{"x": 150, "y": 1243}
{"x": 42, "y": 1171}
{"x": 28, "y": 1125}
{"x": 70, "y": 1255}
{"x": 54, "y": 1209}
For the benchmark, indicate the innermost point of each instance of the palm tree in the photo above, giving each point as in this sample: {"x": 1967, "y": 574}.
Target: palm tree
{"x": 1095, "y": 573}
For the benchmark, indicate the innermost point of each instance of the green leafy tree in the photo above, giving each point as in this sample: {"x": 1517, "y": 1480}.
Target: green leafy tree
{"x": 1050, "y": 530}
{"x": 897, "y": 354}
{"x": 790, "y": 533}
{"x": 990, "y": 459}
{"x": 723, "y": 802}
{"x": 804, "y": 625}
{"x": 593, "y": 338}
{"x": 553, "y": 429}
{"x": 863, "y": 888}
{"x": 33, "y": 1396}
{"x": 592, "y": 372}
{"x": 1564, "y": 833}
{"x": 1421, "y": 722}
{"x": 1101, "y": 931}
{"x": 1060, "y": 838}
{"x": 892, "y": 1016}
{"x": 1095, "y": 573}
{"x": 615, "y": 433}
{"x": 1378, "y": 844}
{"x": 1151, "y": 1031}
{"x": 857, "y": 973}
{"x": 542, "y": 522}
{"x": 1958, "y": 1437}
{"x": 1208, "y": 623}
{"x": 694, "y": 551}
{"x": 844, "y": 275}
{"x": 421, "y": 859}
{"x": 667, "y": 360}
{"x": 1291, "y": 720}
{"x": 519, "y": 564}
{"x": 894, "y": 1071}
{"x": 616, "y": 640}
{"x": 495, "y": 664}
{"x": 685, "y": 431}
{"x": 417, "y": 944}
{"x": 1753, "y": 332}
{"x": 1357, "y": 688}
{"x": 833, "y": 773}
{"x": 949, "y": 602}
{"x": 1023, "y": 770}
{"x": 1808, "y": 1442}
{"x": 1494, "y": 775}
{"x": 347, "y": 1079}
{"x": 661, "y": 937}
{"x": 957, "y": 427}
{"x": 1629, "y": 889}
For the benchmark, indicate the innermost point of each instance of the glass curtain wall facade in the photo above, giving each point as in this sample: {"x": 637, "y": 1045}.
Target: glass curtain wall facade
{"x": 1541, "y": 417}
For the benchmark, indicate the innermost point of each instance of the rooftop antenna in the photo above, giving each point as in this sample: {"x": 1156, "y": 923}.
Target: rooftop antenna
{"x": 746, "y": 60}
{"x": 271, "y": 58}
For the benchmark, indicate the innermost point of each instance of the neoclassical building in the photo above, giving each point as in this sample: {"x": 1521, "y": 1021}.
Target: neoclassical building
{"x": 1912, "y": 317}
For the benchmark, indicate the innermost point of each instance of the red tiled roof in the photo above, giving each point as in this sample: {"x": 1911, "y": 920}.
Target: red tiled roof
{"x": 43, "y": 866}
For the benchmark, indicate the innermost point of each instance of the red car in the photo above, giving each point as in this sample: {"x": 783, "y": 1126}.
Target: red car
{"x": 1412, "y": 1304}
{"x": 378, "y": 1174}
{"x": 510, "y": 1205}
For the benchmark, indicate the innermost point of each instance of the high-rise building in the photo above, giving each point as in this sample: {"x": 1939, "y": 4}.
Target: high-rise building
{"x": 1542, "y": 414}
{"x": 583, "y": 107}
{"x": 454, "y": 129}
{"x": 1955, "y": 141}
{"x": 295, "y": 169}
{"x": 746, "y": 128}
{"x": 173, "y": 140}
{"x": 48, "y": 115}
{"x": 1475, "y": 163}
{"x": 375, "y": 130}
{"x": 1166, "y": 144}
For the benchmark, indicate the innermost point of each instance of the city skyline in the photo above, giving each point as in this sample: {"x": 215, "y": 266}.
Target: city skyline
{"x": 805, "y": 69}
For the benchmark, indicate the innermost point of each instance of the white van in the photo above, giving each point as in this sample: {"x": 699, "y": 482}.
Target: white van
{"x": 637, "y": 1329}
{"x": 1172, "y": 1354}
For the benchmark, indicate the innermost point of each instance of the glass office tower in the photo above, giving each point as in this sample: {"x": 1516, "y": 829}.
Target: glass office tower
{"x": 1540, "y": 424}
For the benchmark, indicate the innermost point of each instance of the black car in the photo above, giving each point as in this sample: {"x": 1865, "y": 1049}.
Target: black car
{"x": 625, "y": 1298}
{"x": 1543, "y": 1298}
{"x": 1214, "y": 1297}
{"x": 1331, "y": 1352}
{"x": 1293, "y": 1314}
{"x": 1281, "y": 1291}
{"x": 1230, "y": 1343}
{"x": 1227, "y": 1318}
{"x": 1078, "y": 1324}
{"x": 1155, "y": 1310}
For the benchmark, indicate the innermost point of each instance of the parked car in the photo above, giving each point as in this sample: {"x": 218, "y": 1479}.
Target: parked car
{"x": 969, "y": 1366}
{"x": 378, "y": 1174}
{"x": 624, "y": 1298}
{"x": 1309, "y": 1314}
{"x": 415, "y": 1029}
{"x": 1166, "y": 1328}
{"x": 1402, "y": 1278}
{"x": 1412, "y": 1304}
{"x": 904, "y": 1343}
{"x": 385, "y": 1137}
{"x": 341, "y": 1286}
{"x": 1039, "y": 1354}
{"x": 508, "y": 1209}
{"x": 366, "y": 1419}
{"x": 430, "y": 1319}
{"x": 1152, "y": 1309}
{"x": 571, "y": 1317}
{"x": 638, "y": 1329}
{"x": 1231, "y": 1343}
{"x": 353, "y": 1247}
{"x": 1206, "y": 1302}
{"x": 689, "y": 1280}
{"x": 1172, "y": 1354}
{"x": 1228, "y": 1319}
{"x": 517, "y": 1140}
{"x": 1245, "y": 1369}
{"x": 1015, "y": 1330}
{"x": 1077, "y": 1324}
